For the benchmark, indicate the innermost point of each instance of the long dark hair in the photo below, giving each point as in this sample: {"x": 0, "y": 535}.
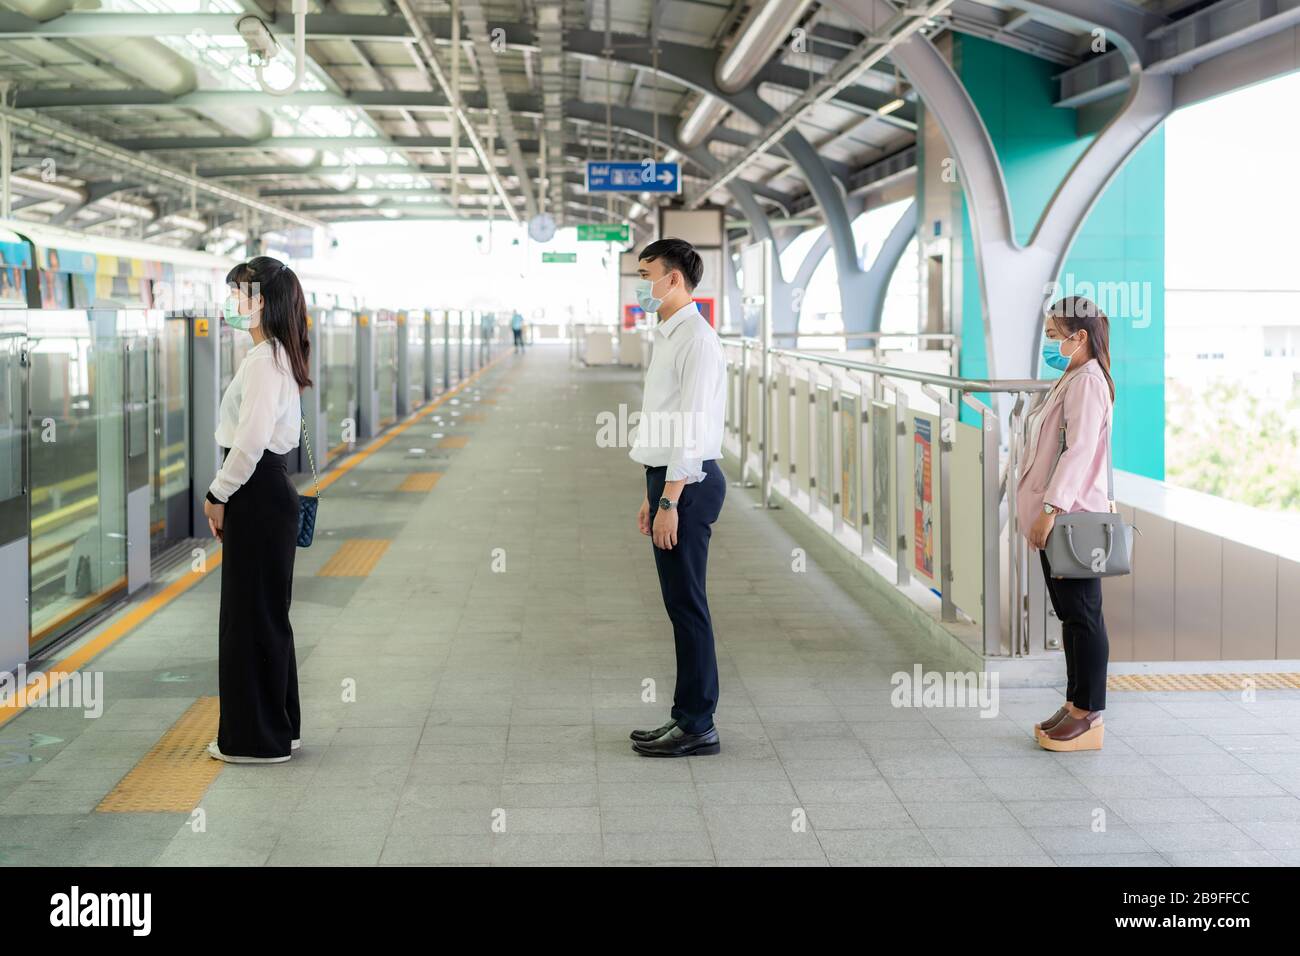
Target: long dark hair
{"x": 1075, "y": 312}
{"x": 284, "y": 309}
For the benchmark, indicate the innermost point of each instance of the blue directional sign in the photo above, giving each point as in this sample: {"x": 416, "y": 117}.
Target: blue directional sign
{"x": 642, "y": 177}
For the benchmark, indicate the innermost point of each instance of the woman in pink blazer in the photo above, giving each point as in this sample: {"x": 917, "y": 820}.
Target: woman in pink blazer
{"x": 1077, "y": 343}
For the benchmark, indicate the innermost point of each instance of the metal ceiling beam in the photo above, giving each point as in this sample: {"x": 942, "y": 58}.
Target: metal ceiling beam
{"x": 503, "y": 106}
{"x": 904, "y": 24}
{"x": 316, "y": 169}
{"x": 150, "y": 169}
{"x": 195, "y": 143}
{"x": 1180, "y": 46}
{"x": 523, "y": 103}
{"x": 550, "y": 41}
{"x": 428, "y": 59}
{"x": 320, "y": 26}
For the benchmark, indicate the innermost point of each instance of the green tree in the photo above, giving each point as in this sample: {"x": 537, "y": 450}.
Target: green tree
{"x": 1225, "y": 440}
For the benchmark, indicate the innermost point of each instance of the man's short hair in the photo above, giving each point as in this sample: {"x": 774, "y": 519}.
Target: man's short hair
{"x": 676, "y": 254}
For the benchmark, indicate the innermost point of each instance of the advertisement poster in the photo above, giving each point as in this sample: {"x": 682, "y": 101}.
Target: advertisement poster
{"x": 13, "y": 286}
{"x": 924, "y": 499}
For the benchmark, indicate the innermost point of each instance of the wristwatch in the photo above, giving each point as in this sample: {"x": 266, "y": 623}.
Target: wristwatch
{"x": 214, "y": 499}
{"x": 1050, "y": 509}
{"x": 667, "y": 504}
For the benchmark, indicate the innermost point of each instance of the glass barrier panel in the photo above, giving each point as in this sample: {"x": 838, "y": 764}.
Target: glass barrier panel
{"x": 825, "y": 478}
{"x": 882, "y": 475}
{"x": 850, "y": 510}
{"x": 76, "y": 450}
{"x": 338, "y": 364}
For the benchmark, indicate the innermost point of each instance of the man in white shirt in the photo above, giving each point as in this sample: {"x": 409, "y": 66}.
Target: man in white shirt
{"x": 679, "y": 440}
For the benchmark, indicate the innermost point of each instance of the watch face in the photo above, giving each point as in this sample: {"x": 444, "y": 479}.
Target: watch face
{"x": 665, "y": 504}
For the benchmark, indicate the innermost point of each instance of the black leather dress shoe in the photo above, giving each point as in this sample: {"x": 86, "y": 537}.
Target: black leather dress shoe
{"x": 678, "y": 743}
{"x": 653, "y": 734}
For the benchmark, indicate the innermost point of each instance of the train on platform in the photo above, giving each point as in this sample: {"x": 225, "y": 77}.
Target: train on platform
{"x": 98, "y": 377}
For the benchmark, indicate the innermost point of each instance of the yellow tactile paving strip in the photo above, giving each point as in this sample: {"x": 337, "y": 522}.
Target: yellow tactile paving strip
{"x": 174, "y": 775}
{"x": 354, "y": 559}
{"x": 1159, "y": 682}
{"x": 473, "y": 417}
{"x": 420, "y": 481}
{"x": 454, "y": 441}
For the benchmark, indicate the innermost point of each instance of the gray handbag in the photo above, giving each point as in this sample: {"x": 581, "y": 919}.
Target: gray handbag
{"x": 1090, "y": 544}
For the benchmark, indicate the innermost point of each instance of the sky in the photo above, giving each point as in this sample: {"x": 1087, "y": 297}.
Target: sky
{"x": 1232, "y": 200}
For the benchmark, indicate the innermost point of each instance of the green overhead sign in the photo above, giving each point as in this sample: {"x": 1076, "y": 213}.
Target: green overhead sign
{"x": 604, "y": 232}
{"x": 559, "y": 257}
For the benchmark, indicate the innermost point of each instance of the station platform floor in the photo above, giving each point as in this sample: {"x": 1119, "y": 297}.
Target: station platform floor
{"x": 497, "y": 626}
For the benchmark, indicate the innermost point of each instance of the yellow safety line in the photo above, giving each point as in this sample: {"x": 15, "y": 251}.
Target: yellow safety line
{"x": 173, "y": 776}
{"x": 420, "y": 481}
{"x": 355, "y": 558}
{"x": 115, "y": 631}
{"x": 131, "y": 619}
{"x": 1271, "y": 680}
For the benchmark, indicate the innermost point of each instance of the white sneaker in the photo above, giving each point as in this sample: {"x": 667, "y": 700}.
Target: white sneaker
{"x": 215, "y": 752}
{"x": 295, "y": 744}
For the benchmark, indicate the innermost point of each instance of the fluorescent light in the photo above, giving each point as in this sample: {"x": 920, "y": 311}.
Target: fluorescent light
{"x": 890, "y": 107}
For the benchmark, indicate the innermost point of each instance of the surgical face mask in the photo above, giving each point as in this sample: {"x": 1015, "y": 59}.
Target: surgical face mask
{"x": 645, "y": 296}
{"x": 233, "y": 317}
{"x": 1053, "y": 355}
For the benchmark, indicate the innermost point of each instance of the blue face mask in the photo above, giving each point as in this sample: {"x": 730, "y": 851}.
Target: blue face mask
{"x": 645, "y": 296}
{"x": 1053, "y": 357}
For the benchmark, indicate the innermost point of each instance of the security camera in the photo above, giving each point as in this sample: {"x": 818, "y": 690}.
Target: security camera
{"x": 261, "y": 45}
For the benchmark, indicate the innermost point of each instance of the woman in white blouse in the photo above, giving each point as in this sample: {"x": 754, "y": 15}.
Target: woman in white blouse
{"x": 253, "y": 508}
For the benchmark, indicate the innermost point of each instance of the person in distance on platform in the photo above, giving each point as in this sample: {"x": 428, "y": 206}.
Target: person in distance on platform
{"x": 1078, "y": 344}
{"x": 517, "y": 327}
{"x": 253, "y": 508}
{"x": 679, "y": 441}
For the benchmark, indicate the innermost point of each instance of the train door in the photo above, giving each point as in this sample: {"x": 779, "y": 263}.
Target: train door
{"x": 14, "y": 544}
{"x": 77, "y": 465}
{"x": 169, "y": 433}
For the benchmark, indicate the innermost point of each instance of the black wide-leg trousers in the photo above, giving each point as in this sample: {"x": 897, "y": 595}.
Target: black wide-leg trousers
{"x": 1077, "y": 603}
{"x": 258, "y": 671}
{"x": 682, "y": 573}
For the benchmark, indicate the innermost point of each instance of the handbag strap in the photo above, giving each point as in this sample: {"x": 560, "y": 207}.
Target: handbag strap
{"x": 1110, "y": 461}
{"x": 310, "y": 459}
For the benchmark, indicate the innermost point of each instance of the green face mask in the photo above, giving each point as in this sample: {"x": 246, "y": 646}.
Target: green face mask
{"x": 233, "y": 318}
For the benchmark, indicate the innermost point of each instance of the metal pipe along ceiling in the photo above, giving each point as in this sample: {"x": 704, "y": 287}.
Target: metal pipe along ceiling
{"x": 486, "y": 59}
{"x": 550, "y": 40}
{"x": 764, "y": 30}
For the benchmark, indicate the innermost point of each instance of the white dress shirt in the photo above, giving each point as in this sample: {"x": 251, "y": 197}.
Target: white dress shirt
{"x": 261, "y": 411}
{"x": 685, "y": 398}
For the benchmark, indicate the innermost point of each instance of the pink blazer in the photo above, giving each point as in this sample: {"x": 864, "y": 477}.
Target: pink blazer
{"x": 1079, "y": 482}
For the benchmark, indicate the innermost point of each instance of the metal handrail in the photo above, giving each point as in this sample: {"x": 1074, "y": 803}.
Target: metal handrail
{"x": 1000, "y": 488}
{"x": 994, "y": 385}
{"x": 924, "y": 336}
